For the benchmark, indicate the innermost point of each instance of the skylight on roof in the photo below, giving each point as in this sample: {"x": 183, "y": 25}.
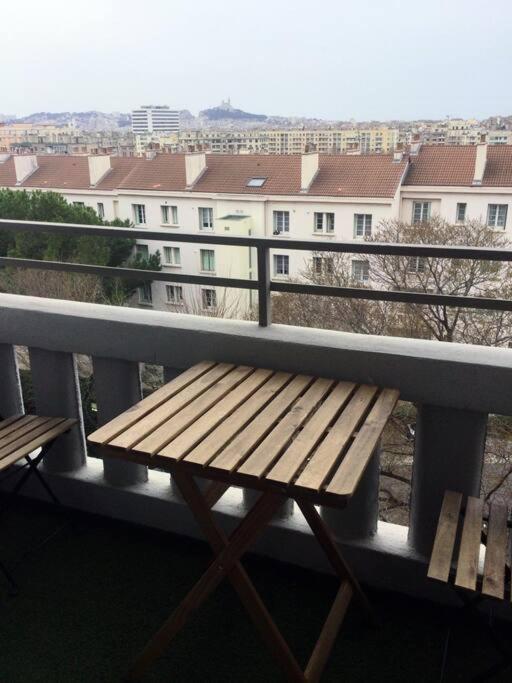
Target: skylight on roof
{"x": 255, "y": 182}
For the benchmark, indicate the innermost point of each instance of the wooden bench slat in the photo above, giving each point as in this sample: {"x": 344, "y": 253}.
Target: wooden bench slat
{"x": 54, "y": 428}
{"x": 268, "y": 450}
{"x": 9, "y": 433}
{"x": 8, "y": 421}
{"x": 329, "y": 450}
{"x": 442, "y": 553}
{"x": 346, "y": 478}
{"x": 221, "y": 435}
{"x": 183, "y": 443}
{"x": 149, "y": 423}
{"x": 122, "y": 422}
{"x": 159, "y": 438}
{"x": 496, "y": 552}
{"x": 33, "y": 428}
{"x": 235, "y": 453}
{"x": 308, "y": 438}
{"x": 469, "y": 553}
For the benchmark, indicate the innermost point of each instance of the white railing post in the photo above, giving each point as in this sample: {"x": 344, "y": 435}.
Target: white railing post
{"x": 359, "y": 519}
{"x": 57, "y": 394}
{"x": 117, "y": 387}
{"x": 11, "y": 399}
{"x": 449, "y": 454}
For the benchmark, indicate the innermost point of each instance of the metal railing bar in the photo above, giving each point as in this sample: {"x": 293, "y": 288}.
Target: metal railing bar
{"x": 420, "y": 298}
{"x": 352, "y": 247}
{"x": 128, "y": 273}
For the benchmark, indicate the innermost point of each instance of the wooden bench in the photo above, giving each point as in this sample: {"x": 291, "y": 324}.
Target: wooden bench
{"x": 471, "y": 553}
{"x": 288, "y": 436}
{"x": 20, "y": 436}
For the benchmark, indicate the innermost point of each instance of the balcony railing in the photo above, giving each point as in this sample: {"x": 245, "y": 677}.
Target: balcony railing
{"x": 264, "y": 284}
{"x": 454, "y": 386}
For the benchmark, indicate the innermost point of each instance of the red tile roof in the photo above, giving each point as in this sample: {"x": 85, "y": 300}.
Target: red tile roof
{"x": 455, "y": 165}
{"x": 339, "y": 175}
{"x": 372, "y": 175}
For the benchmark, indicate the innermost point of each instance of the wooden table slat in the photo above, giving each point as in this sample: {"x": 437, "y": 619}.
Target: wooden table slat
{"x": 268, "y": 450}
{"x": 444, "y": 543}
{"x": 183, "y": 443}
{"x": 306, "y": 441}
{"x": 120, "y": 423}
{"x": 163, "y": 435}
{"x": 221, "y": 435}
{"x": 496, "y": 552}
{"x": 469, "y": 553}
{"x": 147, "y": 425}
{"x": 323, "y": 460}
{"x": 230, "y": 458}
{"x": 353, "y": 465}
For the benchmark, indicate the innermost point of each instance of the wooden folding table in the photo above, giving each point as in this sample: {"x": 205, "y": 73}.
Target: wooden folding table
{"x": 288, "y": 436}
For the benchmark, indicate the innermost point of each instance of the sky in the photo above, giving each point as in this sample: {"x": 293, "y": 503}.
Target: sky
{"x": 331, "y": 59}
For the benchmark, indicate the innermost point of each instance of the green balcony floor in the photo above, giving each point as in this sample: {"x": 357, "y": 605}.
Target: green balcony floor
{"x": 93, "y": 594}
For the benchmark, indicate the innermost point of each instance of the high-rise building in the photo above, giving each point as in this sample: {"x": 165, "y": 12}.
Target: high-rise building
{"x": 155, "y": 119}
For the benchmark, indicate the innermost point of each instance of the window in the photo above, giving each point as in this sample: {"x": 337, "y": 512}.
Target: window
{"x": 324, "y": 222}
{"x": 209, "y": 297}
{"x": 281, "y": 264}
{"x": 101, "y": 210}
{"x": 207, "y": 259}
{"x": 142, "y": 250}
{"x": 169, "y": 214}
{"x": 174, "y": 294}
{"x": 139, "y": 214}
{"x": 78, "y": 204}
{"x": 497, "y": 215}
{"x": 172, "y": 256}
{"x": 145, "y": 294}
{"x": 416, "y": 264}
{"x": 362, "y": 224}
{"x": 420, "y": 212}
{"x": 205, "y": 218}
{"x": 281, "y": 222}
{"x": 360, "y": 271}
{"x": 323, "y": 265}
{"x": 461, "y": 212}
{"x": 255, "y": 182}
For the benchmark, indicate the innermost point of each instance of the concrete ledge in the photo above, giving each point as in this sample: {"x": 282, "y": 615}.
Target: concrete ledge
{"x": 451, "y": 375}
{"x": 385, "y": 561}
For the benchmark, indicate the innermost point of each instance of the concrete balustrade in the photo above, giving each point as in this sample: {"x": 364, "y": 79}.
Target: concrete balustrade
{"x": 449, "y": 455}
{"x": 11, "y": 401}
{"x": 455, "y": 386}
{"x": 117, "y": 386}
{"x": 57, "y": 394}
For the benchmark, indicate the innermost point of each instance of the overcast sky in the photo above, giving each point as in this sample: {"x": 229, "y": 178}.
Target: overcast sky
{"x": 363, "y": 59}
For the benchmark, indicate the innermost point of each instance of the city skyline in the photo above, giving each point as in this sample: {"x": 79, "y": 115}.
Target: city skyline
{"x": 370, "y": 62}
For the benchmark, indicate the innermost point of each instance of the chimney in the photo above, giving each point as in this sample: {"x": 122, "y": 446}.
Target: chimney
{"x": 480, "y": 162}
{"x": 24, "y": 167}
{"x": 195, "y": 166}
{"x": 415, "y": 148}
{"x": 99, "y": 166}
{"x": 398, "y": 155}
{"x": 308, "y": 170}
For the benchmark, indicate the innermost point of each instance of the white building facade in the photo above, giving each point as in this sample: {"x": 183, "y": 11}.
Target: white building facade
{"x": 331, "y": 197}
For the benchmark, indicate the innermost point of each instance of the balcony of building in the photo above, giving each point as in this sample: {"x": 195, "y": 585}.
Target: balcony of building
{"x": 88, "y": 591}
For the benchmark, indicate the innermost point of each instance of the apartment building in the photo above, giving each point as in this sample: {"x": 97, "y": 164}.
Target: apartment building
{"x": 155, "y": 119}
{"x": 313, "y": 196}
{"x": 289, "y": 141}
